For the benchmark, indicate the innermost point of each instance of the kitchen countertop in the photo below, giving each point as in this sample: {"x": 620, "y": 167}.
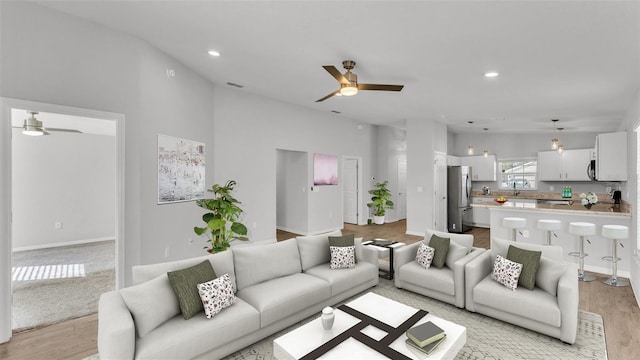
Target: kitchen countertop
{"x": 601, "y": 208}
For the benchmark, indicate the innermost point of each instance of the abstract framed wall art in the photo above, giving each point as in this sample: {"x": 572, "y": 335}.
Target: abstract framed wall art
{"x": 325, "y": 169}
{"x": 181, "y": 169}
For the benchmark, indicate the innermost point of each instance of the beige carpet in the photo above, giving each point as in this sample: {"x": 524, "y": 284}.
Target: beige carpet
{"x": 45, "y": 297}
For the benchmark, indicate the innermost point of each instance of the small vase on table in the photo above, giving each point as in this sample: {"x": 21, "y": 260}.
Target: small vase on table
{"x": 327, "y": 318}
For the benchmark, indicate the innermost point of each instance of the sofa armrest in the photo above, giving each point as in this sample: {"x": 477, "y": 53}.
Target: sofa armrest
{"x": 116, "y": 330}
{"x": 475, "y": 270}
{"x": 404, "y": 255}
{"x": 568, "y": 299}
{"x": 370, "y": 255}
{"x": 459, "y": 275}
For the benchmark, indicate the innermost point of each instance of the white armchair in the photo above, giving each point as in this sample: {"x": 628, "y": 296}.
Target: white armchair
{"x": 551, "y": 308}
{"x": 445, "y": 284}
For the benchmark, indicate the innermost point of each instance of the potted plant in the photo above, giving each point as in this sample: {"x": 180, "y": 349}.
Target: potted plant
{"x": 380, "y": 202}
{"x": 222, "y": 220}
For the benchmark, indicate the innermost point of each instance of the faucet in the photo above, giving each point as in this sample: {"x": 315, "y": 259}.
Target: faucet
{"x": 515, "y": 193}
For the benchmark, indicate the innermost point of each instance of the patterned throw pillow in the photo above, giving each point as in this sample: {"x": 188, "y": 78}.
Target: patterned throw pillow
{"x": 343, "y": 257}
{"x": 506, "y": 272}
{"x": 424, "y": 257}
{"x": 216, "y": 295}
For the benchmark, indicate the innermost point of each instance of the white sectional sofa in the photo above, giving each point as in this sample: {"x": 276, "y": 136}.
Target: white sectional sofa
{"x": 276, "y": 286}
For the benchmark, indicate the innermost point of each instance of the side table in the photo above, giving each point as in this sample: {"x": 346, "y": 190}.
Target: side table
{"x": 385, "y": 248}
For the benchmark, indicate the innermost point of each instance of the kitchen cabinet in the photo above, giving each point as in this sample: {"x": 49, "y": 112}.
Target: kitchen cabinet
{"x": 611, "y": 157}
{"x": 453, "y": 160}
{"x": 570, "y": 165}
{"x": 482, "y": 169}
{"x": 480, "y": 214}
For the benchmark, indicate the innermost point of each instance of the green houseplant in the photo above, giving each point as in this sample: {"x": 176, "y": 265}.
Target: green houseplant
{"x": 380, "y": 201}
{"x": 222, "y": 219}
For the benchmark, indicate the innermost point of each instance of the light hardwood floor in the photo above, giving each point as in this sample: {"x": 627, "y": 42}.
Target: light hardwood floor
{"x": 76, "y": 339}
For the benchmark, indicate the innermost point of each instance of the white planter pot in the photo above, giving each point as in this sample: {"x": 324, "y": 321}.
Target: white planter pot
{"x": 379, "y": 220}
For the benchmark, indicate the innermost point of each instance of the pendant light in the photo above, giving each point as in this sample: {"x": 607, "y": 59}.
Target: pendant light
{"x": 485, "y": 152}
{"x": 470, "y": 148}
{"x": 560, "y": 147}
{"x": 554, "y": 141}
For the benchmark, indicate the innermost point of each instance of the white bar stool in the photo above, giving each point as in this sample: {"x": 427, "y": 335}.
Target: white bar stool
{"x": 549, "y": 225}
{"x": 615, "y": 233}
{"x": 582, "y": 229}
{"x": 514, "y": 223}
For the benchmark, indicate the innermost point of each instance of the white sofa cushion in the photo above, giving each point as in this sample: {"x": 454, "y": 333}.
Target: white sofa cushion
{"x": 222, "y": 263}
{"x": 536, "y": 305}
{"x": 279, "y": 298}
{"x": 548, "y": 275}
{"x": 151, "y": 303}
{"x": 342, "y": 280}
{"x": 255, "y": 264}
{"x": 441, "y": 280}
{"x": 180, "y": 339}
{"x": 314, "y": 249}
{"x": 455, "y": 253}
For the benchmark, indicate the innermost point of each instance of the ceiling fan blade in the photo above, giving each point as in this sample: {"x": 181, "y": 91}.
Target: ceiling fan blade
{"x": 336, "y": 74}
{"x": 328, "y": 96}
{"x": 64, "y": 130}
{"x": 380, "y": 87}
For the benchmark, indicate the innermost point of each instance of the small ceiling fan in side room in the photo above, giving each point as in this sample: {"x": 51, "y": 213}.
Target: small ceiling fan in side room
{"x": 34, "y": 127}
{"x": 349, "y": 82}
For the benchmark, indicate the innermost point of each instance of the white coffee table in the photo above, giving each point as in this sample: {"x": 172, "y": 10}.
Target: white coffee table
{"x": 301, "y": 341}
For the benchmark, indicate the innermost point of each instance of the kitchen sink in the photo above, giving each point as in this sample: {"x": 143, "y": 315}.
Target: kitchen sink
{"x": 555, "y": 202}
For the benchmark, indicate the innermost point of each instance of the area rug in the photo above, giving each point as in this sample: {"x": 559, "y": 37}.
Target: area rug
{"x": 487, "y": 338}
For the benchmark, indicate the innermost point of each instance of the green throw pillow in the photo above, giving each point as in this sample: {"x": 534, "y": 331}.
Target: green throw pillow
{"x": 184, "y": 283}
{"x": 530, "y": 261}
{"x": 342, "y": 241}
{"x": 441, "y": 247}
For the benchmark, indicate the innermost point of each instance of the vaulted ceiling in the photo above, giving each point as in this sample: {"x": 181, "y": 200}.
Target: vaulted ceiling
{"x": 577, "y": 61}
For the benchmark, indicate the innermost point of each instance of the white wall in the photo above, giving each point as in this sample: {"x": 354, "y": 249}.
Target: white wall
{"x": 261, "y": 126}
{"x": 63, "y": 177}
{"x": 292, "y": 191}
{"x": 423, "y": 138}
{"x": 630, "y": 193}
{"x": 392, "y": 147}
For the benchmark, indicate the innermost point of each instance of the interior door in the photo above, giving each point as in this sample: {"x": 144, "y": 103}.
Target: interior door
{"x": 401, "y": 205}
{"x": 440, "y": 191}
{"x": 350, "y": 190}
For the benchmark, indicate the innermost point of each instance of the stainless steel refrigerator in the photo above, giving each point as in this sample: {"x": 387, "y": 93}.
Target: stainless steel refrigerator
{"x": 459, "y": 199}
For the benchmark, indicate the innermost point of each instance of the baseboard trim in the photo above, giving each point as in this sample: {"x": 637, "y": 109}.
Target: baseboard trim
{"x": 291, "y": 230}
{"x": 416, "y": 233}
{"x": 66, "y": 243}
{"x": 606, "y": 271}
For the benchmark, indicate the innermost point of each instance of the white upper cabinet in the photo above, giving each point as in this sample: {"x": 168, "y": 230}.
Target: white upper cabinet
{"x": 570, "y": 165}
{"x": 453, "y": 160}
{"x": 611, "y": 157}
{"x": 482, "y": 169}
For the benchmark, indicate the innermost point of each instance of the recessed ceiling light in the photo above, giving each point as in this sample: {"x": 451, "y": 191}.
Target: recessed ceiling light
{"x": 214, "y": 53}
{"x": 491, "y": 74}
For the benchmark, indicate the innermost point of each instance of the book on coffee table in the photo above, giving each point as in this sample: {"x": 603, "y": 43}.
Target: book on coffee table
{"x": 429, "y": 348}
{"x": 424, "y": 334}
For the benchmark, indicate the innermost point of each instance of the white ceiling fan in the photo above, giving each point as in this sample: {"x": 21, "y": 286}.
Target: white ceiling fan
{"x": 34, "y": 127}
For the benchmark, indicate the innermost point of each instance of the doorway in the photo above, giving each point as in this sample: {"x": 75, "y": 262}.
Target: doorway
{"x": 351, "y": 195}
{"x": 440, "y": 191}
{"x": 14, "y": 206}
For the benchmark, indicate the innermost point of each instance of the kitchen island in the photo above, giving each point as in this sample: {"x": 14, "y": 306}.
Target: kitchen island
{"x": 600, "y": 214}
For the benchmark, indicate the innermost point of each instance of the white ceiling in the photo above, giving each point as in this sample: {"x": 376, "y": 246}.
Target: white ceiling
{"x": 577, "y": 61}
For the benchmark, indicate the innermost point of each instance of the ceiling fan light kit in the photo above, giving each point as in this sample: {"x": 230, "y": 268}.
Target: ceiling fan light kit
{"x": 34, "y": 127}
{"x": 349, "y": 82}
